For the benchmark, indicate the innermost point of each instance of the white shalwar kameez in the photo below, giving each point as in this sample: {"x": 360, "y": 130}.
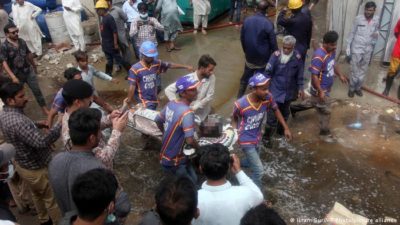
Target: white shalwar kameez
{"x": 205, "y": 95}
{"x": 72, "y": 20}
{"x": 201, "y": 9}
{"x": 24, "y": 18}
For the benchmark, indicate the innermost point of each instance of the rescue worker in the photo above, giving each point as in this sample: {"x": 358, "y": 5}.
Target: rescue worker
{"x": 24, "y": 14}
{"x": 109, "y": 38}
{"x": 143, "y": 75}
{"x": 285, "y": 67}
{"x": 394, "y": 63}
{"x": 258, "y": 40}
{"x": 72, "y": 19}
{"x": 360, "y": 45}
{"x": 120, "y": 19}
{"x": 323, "y": 69}
{"x": 299, "y": 25}
{"x": 308, "y": 5}
{"x": 176, "y": 121}
{"x": 248, "y": 115}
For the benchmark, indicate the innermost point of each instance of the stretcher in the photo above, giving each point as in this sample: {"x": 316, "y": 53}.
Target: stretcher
{"x": 143, "y": 121}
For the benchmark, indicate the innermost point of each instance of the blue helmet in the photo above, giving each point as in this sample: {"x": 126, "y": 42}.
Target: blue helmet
{"x": 148, "y": 49}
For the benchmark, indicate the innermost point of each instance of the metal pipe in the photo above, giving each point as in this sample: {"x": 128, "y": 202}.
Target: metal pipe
{"x": 397, "y": 101}
{"x": 213, "y": 27}
{"x": 222, "y": 25}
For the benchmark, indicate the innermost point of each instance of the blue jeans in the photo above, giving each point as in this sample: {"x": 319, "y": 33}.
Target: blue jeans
{"x": 122, "y": 205}
{"x": 238, "y": 10}
{"x": 133, "y": 42}
{"x": 186, "y": 170}
{"x": 253, "y": 161}
{"x": 135, "y": 48}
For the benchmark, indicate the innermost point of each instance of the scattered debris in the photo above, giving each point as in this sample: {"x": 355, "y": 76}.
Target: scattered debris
{"x": 60, "y": 47}
{"x": 389, "y": 111}
{"x": 365, "y": 111}
{"x": 94, "y": 57}
{"x": 54, "y": 61}
{"x": 355, "y": 126}
{"x": 340, "y": 215}
{"x": 46, "y": 57}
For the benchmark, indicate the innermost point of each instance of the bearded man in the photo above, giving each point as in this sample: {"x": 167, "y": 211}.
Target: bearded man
{"x": 285, "y": 67}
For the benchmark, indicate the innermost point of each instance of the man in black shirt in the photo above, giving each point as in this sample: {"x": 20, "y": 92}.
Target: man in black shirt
{"x": 109, "y": 38}
{"x": 18, "y": 63}
{"x": 299, "y": 25}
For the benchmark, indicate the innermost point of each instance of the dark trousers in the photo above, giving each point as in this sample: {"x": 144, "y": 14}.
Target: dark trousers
{"x": 135, "y": 48}
{"x": 133, "y": 42}
{"x": 284, "y": 108}
{"x": 125, "y": 52}
{"x": 247, "y": 74}
{"x": 185, "y": 170}
{"x": 112, "y": 55}
{"x": 5, "y": 213}
{"x": 236, "y": 7}
{"x": 32, "y": 82}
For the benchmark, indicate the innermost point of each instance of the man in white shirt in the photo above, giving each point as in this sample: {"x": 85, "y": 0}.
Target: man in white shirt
{"x": 72, "y": 19}
{"x": 130, "y": 8}
{"x": 24, "y": 14}
{"x": 205, "y": 75}
{"x": 219, "y": 202}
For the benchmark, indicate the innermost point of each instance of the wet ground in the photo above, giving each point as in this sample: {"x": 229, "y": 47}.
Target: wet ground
{"x": 304, "y": 178}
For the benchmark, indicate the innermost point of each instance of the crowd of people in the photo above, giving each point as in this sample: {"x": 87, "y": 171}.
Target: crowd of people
{"x": 78, "y": 185}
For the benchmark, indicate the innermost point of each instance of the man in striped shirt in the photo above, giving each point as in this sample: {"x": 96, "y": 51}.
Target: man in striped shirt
{"x": 176, "y": 121}
{"x": 248, "y": 114}
{"x": 143, "y": 76}
{"x": 323, "y": 69}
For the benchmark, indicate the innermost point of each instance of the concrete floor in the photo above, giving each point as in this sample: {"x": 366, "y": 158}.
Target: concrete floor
{"x": 303, "y": 178}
